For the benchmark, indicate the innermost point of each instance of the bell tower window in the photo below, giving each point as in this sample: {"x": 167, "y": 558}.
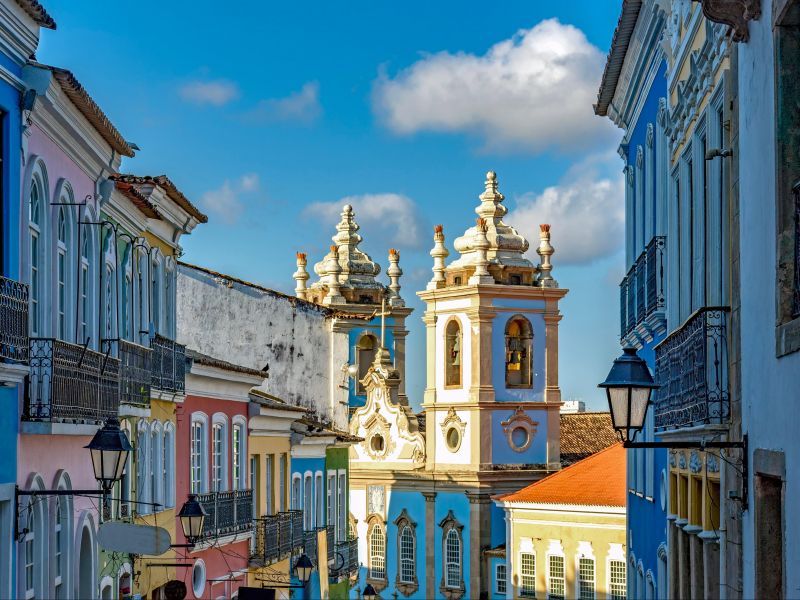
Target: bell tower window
{"x": 452, "y": 354}
{"x": 365, "y": 351}
{"x": 519, "y": 338}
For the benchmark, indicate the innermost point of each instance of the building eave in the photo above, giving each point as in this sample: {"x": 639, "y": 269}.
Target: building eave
{"x": 616, "y": 55}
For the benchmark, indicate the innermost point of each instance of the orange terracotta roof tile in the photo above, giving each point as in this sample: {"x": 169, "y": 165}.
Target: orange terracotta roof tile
{"x": 166, "y": 183}
{"x": 37, "y": 12}
{"x": 138, "y": 199}
{"x": 583, "y": 434}
{"x": 598, "y": 480}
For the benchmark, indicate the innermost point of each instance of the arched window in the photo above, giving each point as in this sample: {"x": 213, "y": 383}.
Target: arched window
{"x": 125, "y": 482}
{"x": 297, "y": 492}
{"x": 30, "y": 553}
{"x": 85, "y": 295}
{"x": 169, "y": 300}
{"x": 169, "y": 465}
{"x": 219, "y": 453}
{"x": 198, "y": 464}
{"x": 452, "y": 559}
{"x": 108, "y": 304}
{"x": 319, "y": 510}
{"x": 365, "y": 349}
{"x": 519, "y": 355}
{"x": 155, "y": 291}
{"x": 62, "y": 273}
{"x": 35, "y": 224}
{"x": 452, "y": 354}
{"x": 60, "y": 535}
{"x": 308, "y": 507}
{"x": 408, "y": 570}
{"x": 239, "y": 453}
{"x": 143, "y": 468}
{"x": 377, "y": 552}
{"x": 125, "y": 326}
{"x": 156, "y": 464}
{"x": 141, "y": 287}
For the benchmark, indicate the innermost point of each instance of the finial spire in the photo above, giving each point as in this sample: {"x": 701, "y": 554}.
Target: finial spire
{"x": 394, "y": 272}
{"x": 439, "y": 253}
{"x": 481, "y": 245}
{"x": 301, "y": 276}
{"x": 545, "y": 251}
{"x": 333, "y": 269}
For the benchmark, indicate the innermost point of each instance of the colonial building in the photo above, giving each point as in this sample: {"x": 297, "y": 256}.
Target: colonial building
{"x": 20, "y": 25}
{"x": 421, "y": 484}
{"x": 633, "y": 94}
{"x": 566, "y": 534}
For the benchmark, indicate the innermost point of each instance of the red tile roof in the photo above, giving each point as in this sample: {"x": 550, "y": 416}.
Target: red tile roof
{"x": 595, "y": 481}
{"x": 139, "y": 200}
{"x": 583, "y": 434}
{"x": 172, "y": 191}
{"x": 37, "y": 12}
{"x": 616, "y": 55}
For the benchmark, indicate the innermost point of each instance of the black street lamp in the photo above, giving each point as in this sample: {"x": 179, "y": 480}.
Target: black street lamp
{"x": 303, "y": 568}
{"x": 192, "y": 516}
{"x": 369, "y": 592}
{"x": 109, "y": 449}
{"x": 628, "y": 386}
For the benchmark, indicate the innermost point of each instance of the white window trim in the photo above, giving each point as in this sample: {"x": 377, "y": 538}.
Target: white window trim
{"x": 157, "y": 464}
{"x": 143, "y": 468}
{"x": 531, "y": 552}
{"x": 341, "y": 506}
{"x": 308, "y": 500}
{"x": 221, "y": 419}
{"x": 242, "y": 483}
{"x": 497, "y": 579}
{"x": 38, "y": 176}
{"x": 585, "y": 551}
{"x": 319, "y": 499}
{"x": 296, "y": 499}
{"x": 168, "y": 445}
{"x": 202, "y": 419}
{"x": 548, "y": 587}
{"x": 332, "y": 502}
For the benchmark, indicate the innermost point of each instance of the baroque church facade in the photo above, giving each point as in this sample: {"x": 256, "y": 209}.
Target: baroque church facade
{"x": 422, "y": 484}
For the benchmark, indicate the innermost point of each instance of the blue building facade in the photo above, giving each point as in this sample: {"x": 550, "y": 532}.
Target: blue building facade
{"x": 20, "y": 24}
{"x": 633, "y": 94}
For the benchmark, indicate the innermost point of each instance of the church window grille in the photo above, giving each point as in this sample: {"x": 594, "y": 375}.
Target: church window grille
{"x": 377, "y": 553}
{"x": 616, "y": 580}
{"x": 407, "y": 570}
{"x": 527, "y": 562}
{"x": 556, "y": 589}
{"x": 453, "y": 354}
{"x": 586, "y": 578}
{"x": 519, "y": 343}
{"x": 453, "y": 559}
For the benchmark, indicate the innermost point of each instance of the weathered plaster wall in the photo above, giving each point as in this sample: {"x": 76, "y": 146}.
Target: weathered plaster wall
{"x": 255, "y": 327}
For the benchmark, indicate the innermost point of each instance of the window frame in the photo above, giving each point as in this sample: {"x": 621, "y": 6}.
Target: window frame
{"x": 525, "y": 591}
{"x": 552, "y": 578}
{"x": 406, "y": 580}
{"x": 239, "y": 480}
{"x": 498, "y": 579}
{"x": 198, "y": 449}
{"x": 527, "y": 341}
{"x": 376, "y": 563}
{"x": 458, "y": 337}
{"x": 219, "y": 423}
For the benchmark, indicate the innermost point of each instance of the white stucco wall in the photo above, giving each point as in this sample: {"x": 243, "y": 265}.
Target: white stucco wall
{"x": 254, "y": 327}
{"x": 769, "y": 384}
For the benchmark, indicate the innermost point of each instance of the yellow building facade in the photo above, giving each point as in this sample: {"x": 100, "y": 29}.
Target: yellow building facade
{"x": 565, "y": 534}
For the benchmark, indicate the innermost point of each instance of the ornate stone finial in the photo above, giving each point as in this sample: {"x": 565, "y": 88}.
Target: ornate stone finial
{"x": 545, "y": 251}
{"x": 481, "y": 245}
{"x": 439, "y": 253}
{"x": 301, "y": 276}
{"x": 394, "y": 272}
{"x": 333, "y": 269}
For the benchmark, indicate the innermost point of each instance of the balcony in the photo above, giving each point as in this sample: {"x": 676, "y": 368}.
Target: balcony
{"x": 13, "y": 321}
{"x": 642, "y": 289}
{"x": 345, "y": 562}
{"x": 168, "y": 363}
{"x": 70, "y": 383}
{"x": 135, "y": 370}
{"x": 278, "y": 536}
{"x": 228, "y": 513}
{"x": 692, "y": 370}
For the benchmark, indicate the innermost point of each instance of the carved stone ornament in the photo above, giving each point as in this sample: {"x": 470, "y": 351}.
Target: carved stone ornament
{"x": 682, "y": 460}
{"x": 672, "y": 459}
{"x": 630, "y": 176}
{"x": 377, "y": 441}
{"x": 733, "y": 13}
{"x": 663, "y": 113}
{"x": 453, "y": 421}
{"x": 650, "y": 135}
{"x": 695, "y": 463}
{"x": 519, "y": 429}
{"x": 712, "y": 464}
{"x": 639, "y": 157}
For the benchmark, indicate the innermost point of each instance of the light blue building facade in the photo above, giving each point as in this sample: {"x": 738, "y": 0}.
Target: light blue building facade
{"x": 20, "y": 24}
{"x": 633, "y": 94}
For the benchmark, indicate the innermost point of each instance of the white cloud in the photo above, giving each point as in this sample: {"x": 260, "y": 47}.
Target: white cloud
{"x": 531, "y": 92}
{"x": 226, "y": 202}
{"x": 389, "y": 219}
{"x": 300, "y": 107}
{"x": 586, "y": 212}
{"x": 216, "y": 92}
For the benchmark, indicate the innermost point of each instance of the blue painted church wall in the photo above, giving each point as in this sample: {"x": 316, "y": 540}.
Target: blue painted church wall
{"x": 355, "y": 399}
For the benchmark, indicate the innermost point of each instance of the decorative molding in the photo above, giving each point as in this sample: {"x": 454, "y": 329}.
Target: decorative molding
{"x": 453, "y": 421}
{"x": 672, "y": 462}
{"x": 712, "y": 464}
{"x": 519, "y": 419}
{"x": 733, "y": 13}
{"x": 377, "y": 425}
{"x": 407, "y": 588}
{"x": 695, "y": 463}
{"x": 639, "y": 157}
{"x": 650, "y": 135}
{"x": 448, "y": 523}
{"x": 682, "y": 460}
{"x": 376, "y": 500}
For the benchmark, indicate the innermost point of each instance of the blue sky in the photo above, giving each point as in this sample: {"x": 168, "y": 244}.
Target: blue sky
{"x": 272, "y": 115}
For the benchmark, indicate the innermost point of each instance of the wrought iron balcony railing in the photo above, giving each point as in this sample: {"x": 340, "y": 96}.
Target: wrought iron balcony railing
{"x": 13, "y": 321}
{"x": 345, "y": 561}
{"x": 692, "y": 370}
{"x": 134, "y": 370}
{"x": 168, "y": 364}
{"x": 70, "y": 383}
{"x": 228, "y": 513}
{"x": 641, "y": 291}
{"x": 278, "y": 536}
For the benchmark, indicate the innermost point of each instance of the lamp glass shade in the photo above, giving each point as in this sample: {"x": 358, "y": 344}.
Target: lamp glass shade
{"x": 109, "y": 450}
{"x": 369, "y": 592}
{"x": 640, "y": 400}
{"x": 303, "y": 568}
{"x": 192, "y": 516}
{"x": 628, "y": 385}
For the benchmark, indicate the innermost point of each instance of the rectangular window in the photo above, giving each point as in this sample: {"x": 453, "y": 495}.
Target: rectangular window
{"x": 616, "y": 580}
{"x": 341, "y": 523}
{"x": 217, "y": 442}
{"x": 586, "y": 578}
{"x": 308, "y": 507}
{"x": 269, "y": 489}
{"x": 196, "y": 457}
{"x": 500, "y": 578}
{"x": 332, "y": 500}
{"x": 283, "y": 467}
{"x": 254, "y": 483}
{"x": 34, "y": 284}
{"x": 527, "y": 569}
{"x": 62, "y": 294}
{"x": 237, "y": 449}
{"x": 319, "y": 509}
{"x": 555, "y": 582}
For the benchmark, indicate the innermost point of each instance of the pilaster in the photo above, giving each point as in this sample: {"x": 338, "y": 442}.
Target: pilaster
{"x": 430, "y": 544}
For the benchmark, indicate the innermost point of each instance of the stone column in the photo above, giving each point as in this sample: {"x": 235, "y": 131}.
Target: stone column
{"x": 711, "y": 569}
{"x": 552, "y": 393}
{"x": 430, "y": 544}
{"x": 479, "y": 539}
{"x": 683, "y": 565}
{"x": 481, "y": 388}
{"x": 400, "y": 332}
{"x": 697, "y": 573}
{"x": 673, "y": 572}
